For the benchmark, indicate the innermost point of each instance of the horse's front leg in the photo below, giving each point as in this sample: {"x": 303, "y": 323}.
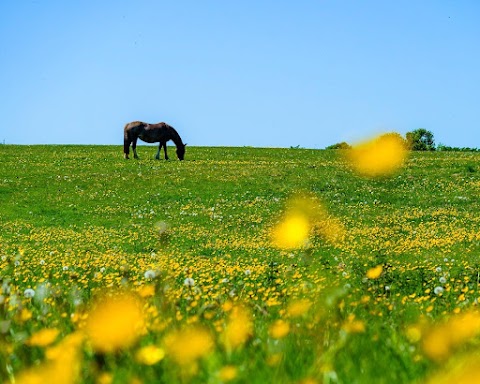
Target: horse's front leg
{"x": 164, "y": 145}
{"x": 134, "y": 147}
{"x": 157, "y": 156}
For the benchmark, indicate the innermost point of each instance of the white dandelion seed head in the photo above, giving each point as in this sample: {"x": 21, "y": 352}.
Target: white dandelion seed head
{"x": 42, "y": 262}
{"x": 387, "y": 288}
{"x": 442, "y": 280}
{"x": 189, "y": 282}
{"x": 42, "y": 292}
{"x": 438, "y": 290}
{"x": 150, "y": 274}
{"x": 29, "y": 293}
{"x": 65, "y": 268}
{"x": 438, "y": 269}
{"x": 102, "y": 269}
{"x": 248, "y": 272}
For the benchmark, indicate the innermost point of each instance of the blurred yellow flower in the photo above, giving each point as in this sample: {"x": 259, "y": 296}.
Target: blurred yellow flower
{"x": 292, "y": 232}
{"x": 375, "y": 273}
{"x": 62, "y": 366}
{"x": 239, "y": 328}
{"x": 188, "y": 345}
{"x": 43, "y": 337}
{"x": 279, "y": 329}
{"x": 114, "y": 322}
{"x": 298, "y": 308}
{"x": 441, "y": 340}
{"x": 149, "y": 355}
{"x": 380, "y": 156}
{"x": 146, "y": 290}
{"x": 305, "y": 215}
{"x": 227, "y": 373}
{"x": 353, "y": 326}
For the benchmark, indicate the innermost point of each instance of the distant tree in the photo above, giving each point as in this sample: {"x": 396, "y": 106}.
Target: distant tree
{"x": 342, "y": 145}
{"x": 396, "y": 136}
{"x": 420, "y": 140}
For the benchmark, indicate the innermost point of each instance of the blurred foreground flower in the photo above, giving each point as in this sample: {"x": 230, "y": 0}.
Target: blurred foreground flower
{"x": 239, "y": 328}
{"x": 298, "y": 308}
{"x": 227, "y": 373}
{"x": 188, "y": 345}
{"x": 115, "y": 322}
{"x": 378, "y": 157}
{"x": 149, "y": 355}
{"x": 304, "y": 215}
{"x": 440, "y": 341}
{"x": 61, "y": 367}
{"x": 279, "y": 329}
{"x": 43, "y": 337}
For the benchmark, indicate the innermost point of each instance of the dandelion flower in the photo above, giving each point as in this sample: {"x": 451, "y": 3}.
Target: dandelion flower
{"x": 279, "y": 329}
{"x": 298, "y": 308}
{"x": 227, "y": 373}
{"x": 188, "y": 345}
{"x": 438, "y": 290}
{"x": 149, "y": 355}
{"x": 378, "y": 157}
{"x": 375, "y": 273}
{"x": 114, "y": 322}
{"x": 292, "y": 232}
{"x": 150, "y": 274}
{"x": 239, "y": 328}
{"x": 29, "y": 293}
{"x": 43, "y": 337}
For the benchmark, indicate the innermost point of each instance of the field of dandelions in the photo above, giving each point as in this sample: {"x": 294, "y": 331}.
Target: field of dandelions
{"x": 239, "y": 265}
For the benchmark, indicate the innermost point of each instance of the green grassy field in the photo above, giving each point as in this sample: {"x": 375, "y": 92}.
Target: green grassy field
{"x": 191, "y": 240}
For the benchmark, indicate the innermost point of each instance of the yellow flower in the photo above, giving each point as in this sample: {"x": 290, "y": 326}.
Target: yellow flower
{"x": 375, "y": 273}
{"x": 353, "y": 326}
{"x": 279, "y": 329}
{"x": 442, "y": 339}
{"x": 43, "y": 337}
{"x": 292, "y": 232}
{"x": 298, "y": 308}
{"x": 146, "y": 290}
{"x": 188, "y": 345}
{"x": 381, "y": 156}
{"x": 305, "y": 214}
{"x": 24, "y": 315}
{"x": 227, "y": 373}
{"x": 150, "y": 355}
{"x": 62, "y": 365}
{"x": 239, "y": 328}
{"x": 114, "y": 322}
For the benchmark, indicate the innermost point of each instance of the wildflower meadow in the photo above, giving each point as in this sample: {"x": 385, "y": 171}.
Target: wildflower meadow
{"x": 239, "y": 265}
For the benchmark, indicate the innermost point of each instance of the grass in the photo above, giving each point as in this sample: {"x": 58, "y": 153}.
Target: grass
{"x": 79, "y": 220}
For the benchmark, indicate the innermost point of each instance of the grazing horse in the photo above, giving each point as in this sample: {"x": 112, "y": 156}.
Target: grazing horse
{"x": 151, "y": 133}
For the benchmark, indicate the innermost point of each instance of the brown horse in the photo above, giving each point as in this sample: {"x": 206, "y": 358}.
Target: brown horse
{"x": 151, "y": 133}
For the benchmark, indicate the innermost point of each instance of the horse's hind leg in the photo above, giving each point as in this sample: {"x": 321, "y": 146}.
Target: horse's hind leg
{"x": 134, "y": 147}
{"x": 126, "y": 148}
{"x": 157, "y": 156}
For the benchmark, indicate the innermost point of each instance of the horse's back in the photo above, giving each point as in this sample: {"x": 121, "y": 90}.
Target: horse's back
{"x": 133, "y": 124}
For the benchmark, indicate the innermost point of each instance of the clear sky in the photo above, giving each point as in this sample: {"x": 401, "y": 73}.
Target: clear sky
{"x": 240, "y": 73}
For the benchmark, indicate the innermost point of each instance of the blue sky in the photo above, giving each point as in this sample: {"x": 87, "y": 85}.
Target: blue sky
{"x": 244, "y": 73}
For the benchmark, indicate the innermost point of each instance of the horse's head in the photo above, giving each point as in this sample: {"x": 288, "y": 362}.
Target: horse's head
{"x": 181, "y": 151}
